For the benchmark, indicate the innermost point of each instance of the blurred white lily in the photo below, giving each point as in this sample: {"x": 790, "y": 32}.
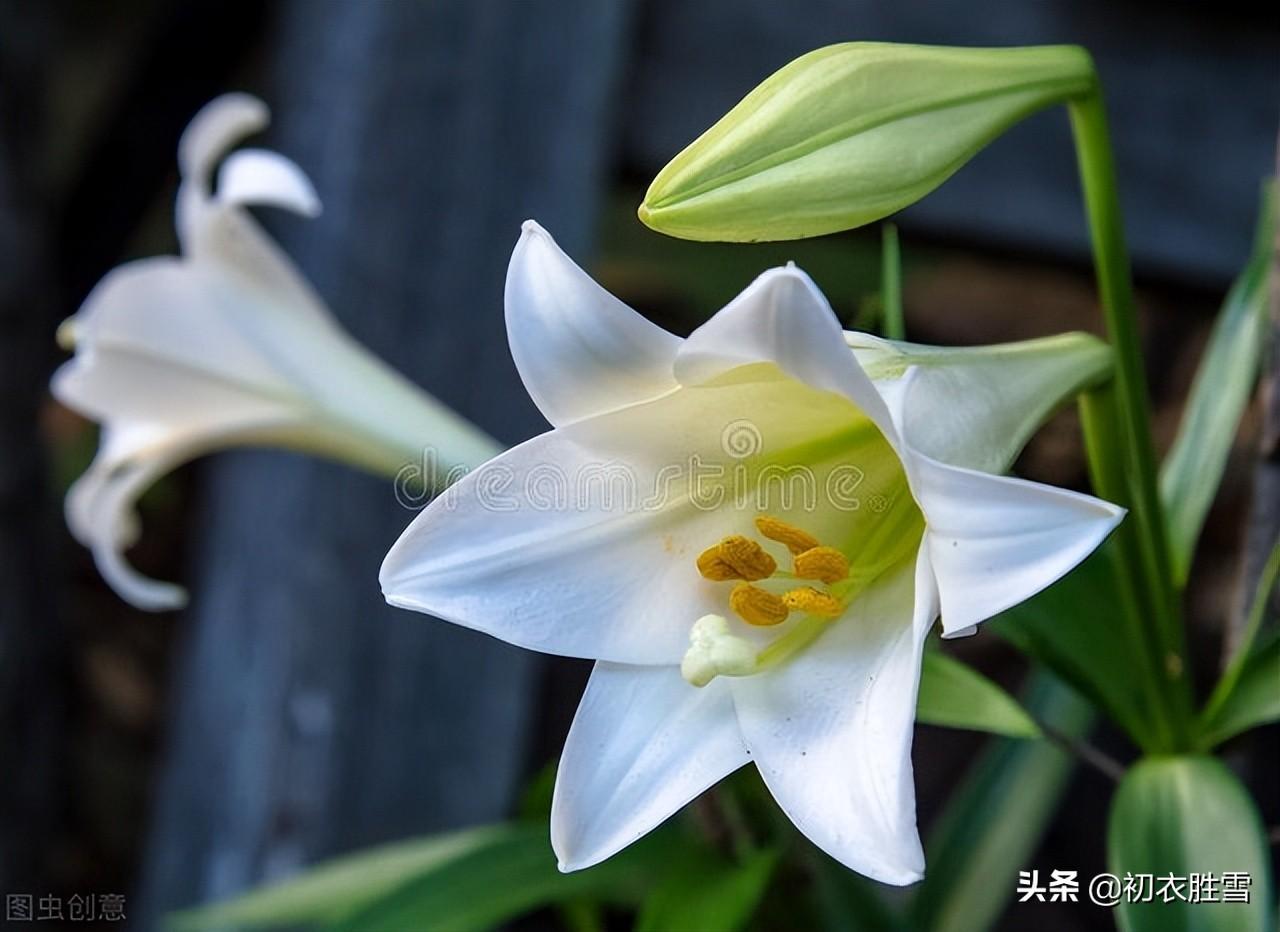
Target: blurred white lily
{"x": 227, "y": 345}
{"x": 729, "y": 621}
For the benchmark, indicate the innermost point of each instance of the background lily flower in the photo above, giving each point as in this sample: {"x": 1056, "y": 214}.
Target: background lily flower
{"x": 800, "y": 619}
{"x": 227, "y": 345}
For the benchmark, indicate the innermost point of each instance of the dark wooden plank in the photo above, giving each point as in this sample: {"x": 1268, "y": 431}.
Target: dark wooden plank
{"x": 34, "y": 653}
{"x": 311, "y": 718}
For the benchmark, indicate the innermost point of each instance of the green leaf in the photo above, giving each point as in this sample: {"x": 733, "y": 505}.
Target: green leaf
{"x": 335, "y": 889}
{"x": 1083, "y": 629}
{"x": 1254, "y": 700}
{"x": 847, "y": 902}
{"x": 515, "y": 873}
{"x": 955, "y": 695}
{"x": 850, "y": 133}
{"x": 1191, "y": 472}
{"x": 702, "y": 890}
{"x": 1184, "y": 815}
{"x": 994, "y": 821}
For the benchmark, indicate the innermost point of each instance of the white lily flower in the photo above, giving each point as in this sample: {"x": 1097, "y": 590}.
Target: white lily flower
{"x": 227, "y": 345}
{"x": 729, "y": 621}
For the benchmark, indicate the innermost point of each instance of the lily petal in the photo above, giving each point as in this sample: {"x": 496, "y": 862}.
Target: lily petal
{"x": 262, "y": 177}
{"x": 991, "y": 398}
{"x": 996, "y": 541}
{"x": 216, "y": 229}
{"x": 218, "y": 126}
{"x": 548, "y": 548}
{"x": 782, "y": 318}
{"x": 643, "y": 744}
{"x": 831, "y": 730}
{"x": 164, "y": 342}
{"x": 100, "y": 513}
{"x": 584, "y": 541}
{"x": 579, "y": 350}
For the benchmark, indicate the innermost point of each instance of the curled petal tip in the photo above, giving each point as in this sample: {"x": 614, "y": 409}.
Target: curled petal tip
{"x": 258, "y": 176}
{"x": 218, "y": 126}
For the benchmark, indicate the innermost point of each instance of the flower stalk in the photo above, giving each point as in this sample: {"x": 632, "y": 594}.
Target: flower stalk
{"x": 1116, "y": 426}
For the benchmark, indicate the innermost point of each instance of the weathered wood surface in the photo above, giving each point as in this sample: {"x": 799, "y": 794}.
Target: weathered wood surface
{"x": 311, "y": 718}
{"x": 33, "y": 636}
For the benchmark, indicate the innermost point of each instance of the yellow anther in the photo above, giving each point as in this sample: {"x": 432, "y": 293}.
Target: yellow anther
{"x": 812, "y": 602}
{"x": 712, "y": 566}
{"x": 796, "y": 540}
{"x": 66, "y": 334}
{"x": 825, "y": 563}
{"x": 755, "y": 606}
{"x": 736, "y": 558}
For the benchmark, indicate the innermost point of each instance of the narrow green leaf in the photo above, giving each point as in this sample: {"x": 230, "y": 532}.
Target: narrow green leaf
{"x": 1183, "y": 815}
{"x": 1191, "y": 472}
{"x": 335, "y": 889}
{"x": 702, "y": 890}
{"x": 515, "y": 873}
{"x": 1223, "y": 707}
{"x": 955, "y": 695}
{"x": 994, "y": 821}
{"x": 1254, "y": 700}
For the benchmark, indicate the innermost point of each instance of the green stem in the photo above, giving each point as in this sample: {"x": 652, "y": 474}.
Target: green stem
{"x": 1098, "y": 411}
{"x": 894, "y": 327}
{"x": 1134, "y": 483}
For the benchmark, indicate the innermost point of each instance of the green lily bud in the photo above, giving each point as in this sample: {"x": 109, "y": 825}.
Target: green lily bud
{"x": 851, "y": 133}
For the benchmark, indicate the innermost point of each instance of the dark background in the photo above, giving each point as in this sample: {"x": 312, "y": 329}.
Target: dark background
{"x": 288, "y": 714}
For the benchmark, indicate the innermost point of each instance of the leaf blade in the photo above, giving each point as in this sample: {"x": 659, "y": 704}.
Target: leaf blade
{"x": 954, "y": 695}
{"x": 1191, "y": 472}
{"x": 1183, "y": 815}
{"x": 700, "y": 891}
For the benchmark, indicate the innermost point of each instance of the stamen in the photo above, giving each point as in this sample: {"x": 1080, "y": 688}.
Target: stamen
{"x": 712, "y": 566}
{"x": 796, "y": 540}
{"x": 736, "y": 557}
{"x": 66, "y": 334}
{"x": 812, "y": 602}
{"x": 756, "y": 606}
{"x": 824, "y": 563}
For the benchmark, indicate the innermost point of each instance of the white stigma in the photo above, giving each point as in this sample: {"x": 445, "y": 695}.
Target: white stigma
{"x": 715, "y": 651}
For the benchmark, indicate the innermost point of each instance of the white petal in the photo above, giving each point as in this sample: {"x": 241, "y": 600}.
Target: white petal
{"x": 996, "y": 541}
{"x": 100, "y": 509}
{"x": 217, "y": 230}
{"x": 643, "y": 743}
{"x": 782, "y": 318}
{"x": 831, "y": 731}
{"x": 261, "y": 177}
{"x": 162, "y": 342}
{"x": 218, "y": 126}
{"x": 579, "y": 350}
{"x": 584, "y": 541}
{"x": 529, "y": 549}
{"x": 977, "y": 406}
